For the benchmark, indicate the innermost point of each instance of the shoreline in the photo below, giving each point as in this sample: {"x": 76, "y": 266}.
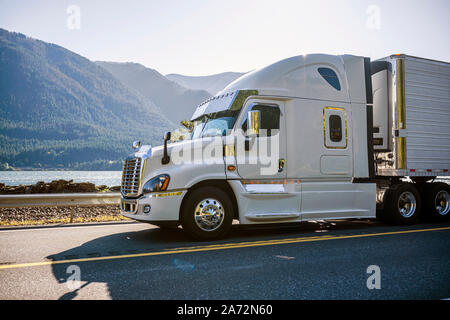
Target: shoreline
{"x": 29, "y": 216}
{"x": 56, "y": 186}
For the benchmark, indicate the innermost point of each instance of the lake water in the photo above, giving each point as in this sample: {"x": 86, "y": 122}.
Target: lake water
{"x": 14, "y": 178}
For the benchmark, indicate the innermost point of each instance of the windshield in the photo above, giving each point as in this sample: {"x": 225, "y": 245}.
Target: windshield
{"x": 214, "y": 124}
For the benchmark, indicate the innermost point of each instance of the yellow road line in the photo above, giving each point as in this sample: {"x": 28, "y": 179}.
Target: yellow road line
{"x": 233, "y": 244}
{"x": 217, "y": 247}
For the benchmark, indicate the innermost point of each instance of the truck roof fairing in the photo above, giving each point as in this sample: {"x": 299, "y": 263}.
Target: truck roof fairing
{"x": 295, "y": 77}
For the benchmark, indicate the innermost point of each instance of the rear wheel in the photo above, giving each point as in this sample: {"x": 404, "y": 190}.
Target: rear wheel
{"x": 207, "y": 213}
{"x": 403, "y": 204}
{"x": 437, "y": 201}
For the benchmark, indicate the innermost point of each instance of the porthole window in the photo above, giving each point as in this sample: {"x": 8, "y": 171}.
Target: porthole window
{"x": 335, "y": 128}
{"x": 331, "y": 77}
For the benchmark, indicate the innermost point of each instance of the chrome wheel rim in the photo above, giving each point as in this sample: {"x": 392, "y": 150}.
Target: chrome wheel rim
{"x": 209, "y": 214}
{"x": 442, "y": 202}
{"x": 407, "y": 204}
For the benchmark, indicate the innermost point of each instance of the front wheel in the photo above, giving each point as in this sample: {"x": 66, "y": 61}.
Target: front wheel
{"x": 207, "y": 213}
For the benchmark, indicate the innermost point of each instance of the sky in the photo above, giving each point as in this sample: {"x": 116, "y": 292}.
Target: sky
{"x": 202, "y": 37}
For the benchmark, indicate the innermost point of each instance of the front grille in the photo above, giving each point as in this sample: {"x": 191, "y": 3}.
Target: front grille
{"x": 130, "y": 177}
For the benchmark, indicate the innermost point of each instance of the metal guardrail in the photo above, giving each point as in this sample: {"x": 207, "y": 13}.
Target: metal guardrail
{"x": 58, "y": 199}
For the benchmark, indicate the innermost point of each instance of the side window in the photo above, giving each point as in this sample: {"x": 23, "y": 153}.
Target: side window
{"x": 335, "y": 123}
{"x": 335, "y": 128}
{"x": 331, "y": 77}
{"x": 270, "y": 118}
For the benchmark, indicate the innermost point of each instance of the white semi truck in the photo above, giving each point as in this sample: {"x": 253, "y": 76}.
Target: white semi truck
{"x": 348, "y": 138}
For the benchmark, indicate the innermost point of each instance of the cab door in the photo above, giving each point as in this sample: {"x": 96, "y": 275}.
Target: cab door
{"x": 262, "y": 155}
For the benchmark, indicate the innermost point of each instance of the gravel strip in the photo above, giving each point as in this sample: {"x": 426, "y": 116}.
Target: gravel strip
{"x": 35, "y": 214}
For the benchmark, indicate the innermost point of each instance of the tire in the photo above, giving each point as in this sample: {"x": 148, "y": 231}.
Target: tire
{"x": 437, "y": 201}
{"x": 207, "y": 214}
{"x": 403, "y": 204}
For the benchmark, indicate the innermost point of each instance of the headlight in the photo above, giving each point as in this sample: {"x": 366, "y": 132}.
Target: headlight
{"x": 159, "y": 183}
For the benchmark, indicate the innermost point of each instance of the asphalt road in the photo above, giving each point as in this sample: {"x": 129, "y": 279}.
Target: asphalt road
{"x": 322, "y": 260}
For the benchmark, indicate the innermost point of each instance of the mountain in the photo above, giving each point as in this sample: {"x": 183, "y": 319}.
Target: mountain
{"x": 212, "y": 84}
{"x": 59, "y": 109}
{"x": 176, "y": 102}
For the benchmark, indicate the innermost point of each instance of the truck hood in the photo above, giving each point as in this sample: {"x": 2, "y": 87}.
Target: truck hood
{"x": 147, "y": 151}
{"x": 184, "y": 173}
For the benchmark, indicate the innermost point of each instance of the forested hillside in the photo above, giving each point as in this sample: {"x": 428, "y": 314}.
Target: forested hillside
{"x": 59, "y": 109}
{"x": 176, "y": 102}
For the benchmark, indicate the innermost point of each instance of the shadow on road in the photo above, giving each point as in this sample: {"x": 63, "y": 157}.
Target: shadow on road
{"x": 117, "y": 273}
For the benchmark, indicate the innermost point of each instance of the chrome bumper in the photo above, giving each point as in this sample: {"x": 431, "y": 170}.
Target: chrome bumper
{"x": 164, "y": 206}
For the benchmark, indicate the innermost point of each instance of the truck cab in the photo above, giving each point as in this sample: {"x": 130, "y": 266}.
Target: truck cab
{"x": 290, "y": 142}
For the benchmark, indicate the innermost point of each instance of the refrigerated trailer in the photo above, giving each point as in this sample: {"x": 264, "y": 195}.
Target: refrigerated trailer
{"x": 311, "y": 137}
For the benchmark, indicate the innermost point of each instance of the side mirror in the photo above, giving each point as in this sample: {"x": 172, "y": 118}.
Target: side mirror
{"x": 166, "y": 159}
{"x": 254, "y": 122}
{"x": 136, "y": 145}
{"x": 167, "y": 136}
